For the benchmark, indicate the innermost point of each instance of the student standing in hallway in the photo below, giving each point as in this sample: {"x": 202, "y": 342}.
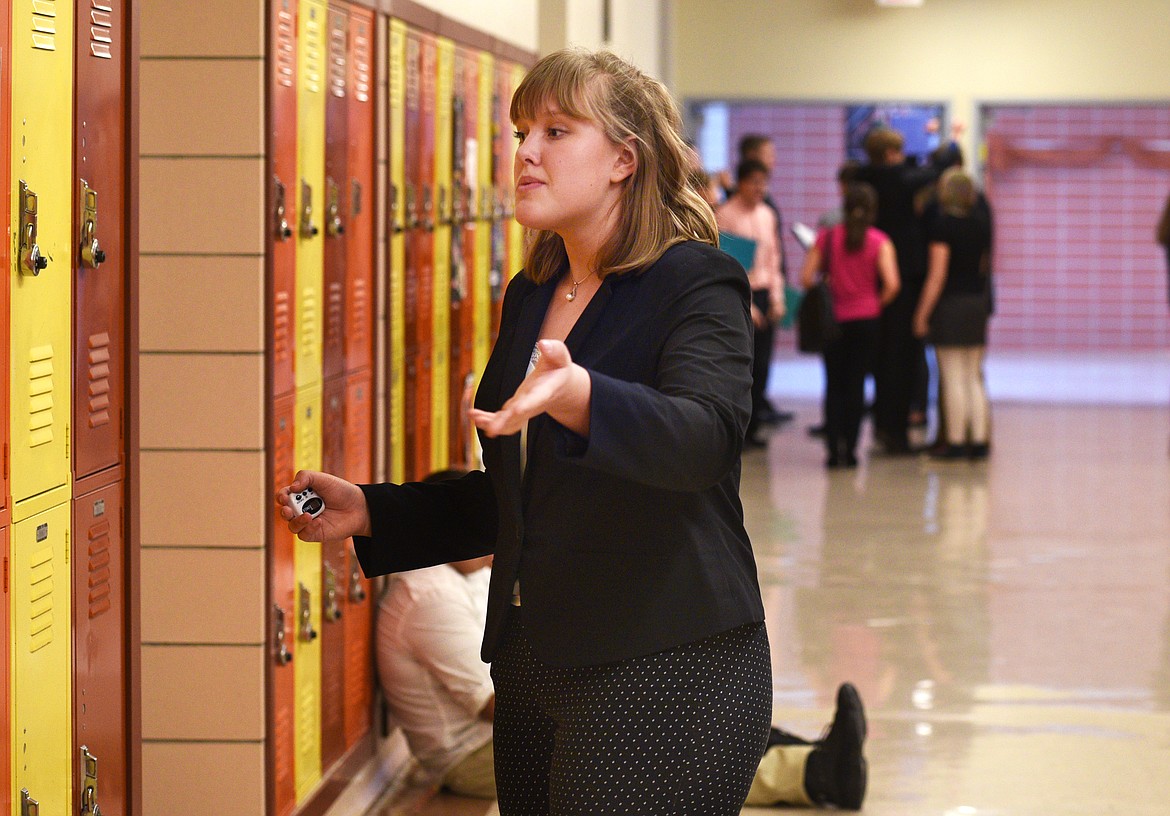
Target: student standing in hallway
{"x": 624, "y": 613}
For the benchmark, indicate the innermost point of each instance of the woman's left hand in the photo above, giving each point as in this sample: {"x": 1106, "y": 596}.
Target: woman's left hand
{"x": 542, "y": 391}
{"x": 921, "y": 326}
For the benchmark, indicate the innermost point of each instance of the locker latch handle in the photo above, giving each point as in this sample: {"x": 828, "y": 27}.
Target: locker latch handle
{"x": 332, "y": 609}
{"x": 307, "y": 633}
{"x": 428, "y": 208}
{"x": 28, "y": 805}
{"x": 334, "y": 226}
{"x": 357, "y": 589}
{"x": 31, "y": 259}
{"x": 283, "y": 230}
{"x": 395, "y": 214}
{"x": 283, "y": 655}
{"x": 308, "y": 228}
{"x": 92, "y": 255}
{"x": 445, "y": 216}
{"x": 412, "y": 219}
{"x": 89, "y": 783}
{"x": 355, "y": 198}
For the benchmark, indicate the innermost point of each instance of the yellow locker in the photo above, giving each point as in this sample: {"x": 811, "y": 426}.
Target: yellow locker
{"x": 41, "y": 659}
{"x": 441, "y": 327}
{"x": 40, "y": 231}
{"x": 396, "y": 312}
{"x": 310, "y": 192}
{"x": 481, "y": 282}
{"x": 515, "y": 231}
{"x": 307, "y": 664}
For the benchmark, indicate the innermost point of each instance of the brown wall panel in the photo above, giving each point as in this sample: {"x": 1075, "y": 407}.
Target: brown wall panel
{"x": 359, "y": 194}
{"x": 99, "y": 650}
{"x": 282, "y": 689}
{"x": 335, "y": 211}
{"x": 98, "y": 230}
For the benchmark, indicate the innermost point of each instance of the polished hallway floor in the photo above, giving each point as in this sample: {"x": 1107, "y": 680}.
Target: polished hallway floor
{"x": 1007, "y": 622}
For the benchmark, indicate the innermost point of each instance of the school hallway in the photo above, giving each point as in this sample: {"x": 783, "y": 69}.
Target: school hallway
{"x": 1006, "y": 622}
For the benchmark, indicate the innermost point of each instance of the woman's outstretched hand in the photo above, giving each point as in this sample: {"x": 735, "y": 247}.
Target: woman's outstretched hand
{"x": 556, "y": 386}
{"x": 345, "y": 512}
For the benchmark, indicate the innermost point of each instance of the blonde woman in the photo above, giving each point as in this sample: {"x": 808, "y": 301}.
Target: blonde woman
{"x": 624, "y": 624}
{"x": 953, "y": 313}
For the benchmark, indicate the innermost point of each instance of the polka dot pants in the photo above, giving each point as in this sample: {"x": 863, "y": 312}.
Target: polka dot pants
{"x": 678, "y": 732}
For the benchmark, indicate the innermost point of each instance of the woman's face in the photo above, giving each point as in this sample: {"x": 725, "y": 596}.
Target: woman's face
{"x": 568, "y": 175}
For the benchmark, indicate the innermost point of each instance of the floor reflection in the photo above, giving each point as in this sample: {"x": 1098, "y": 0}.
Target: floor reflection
{"x": 1007, "y": 623}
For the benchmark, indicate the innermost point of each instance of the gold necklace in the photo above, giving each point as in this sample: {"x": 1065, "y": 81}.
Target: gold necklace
{"x": 571, "y": 296}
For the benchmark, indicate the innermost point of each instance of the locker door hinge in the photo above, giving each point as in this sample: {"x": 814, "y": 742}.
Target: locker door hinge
{"x": 28, "y": 805}
{"x": 395, "y": 215}
{"x": 6, "y": 575}
{"x": 92, "y": 255}
{"x": 31, "y": 259}
{"x": 89, "y": 783}
{"x": 355, "y": 198}
{"x": 66, "y": 441}
{"x": 67, "y": 546}
{"x": 283, "y": 655}
{"x": 5, "y": 461}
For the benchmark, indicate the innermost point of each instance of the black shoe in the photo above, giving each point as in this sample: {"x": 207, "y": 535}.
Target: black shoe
{"x": 836, "y": 772}
{"x": 979, "y": 451}
{"x": 949, "y": 453}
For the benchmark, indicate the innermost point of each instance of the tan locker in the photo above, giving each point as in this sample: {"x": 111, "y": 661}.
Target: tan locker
{"x": 99, "y": 646}
{"x": 336, "y": 209}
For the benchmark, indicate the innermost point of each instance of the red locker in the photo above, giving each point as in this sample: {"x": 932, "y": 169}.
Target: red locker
{"x": 463, "y": 171}
{"x": 358, "y": 619}
{"x": 502, "y": 176}
{"x": 99, "y": 646}
{"x": 425, "y": 239}
{"x": 360, "y": 235}
{"x": 336, "y": 142}
{"x": 99, "y": 257}
{"x": 282, "y": 685}
{"x": 282, "y": 130}
{"x": 334, "y": 555}
{"x": 420, "y": 250}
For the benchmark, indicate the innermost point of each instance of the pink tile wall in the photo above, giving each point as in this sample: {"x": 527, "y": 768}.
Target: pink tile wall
{"x": 1076, "y": 266}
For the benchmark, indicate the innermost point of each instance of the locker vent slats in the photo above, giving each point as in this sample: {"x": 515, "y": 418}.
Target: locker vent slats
{"x": 41, "y": 600}
{"x": 99, "y": 379}
{"x": 40, "y": 392}
{"x": 99, "y": 569}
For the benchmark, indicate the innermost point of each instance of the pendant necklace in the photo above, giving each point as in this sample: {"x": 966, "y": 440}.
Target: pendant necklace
{"x": 572, "y": 295}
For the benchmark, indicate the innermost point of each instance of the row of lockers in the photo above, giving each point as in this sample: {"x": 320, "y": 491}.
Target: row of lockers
{"x": 62, "y": 330}
{"x": 438, "y": 260}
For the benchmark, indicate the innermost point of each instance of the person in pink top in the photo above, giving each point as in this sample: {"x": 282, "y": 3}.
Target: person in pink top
{"x": 861, "y": 268}
{"x": 745, "y": 214}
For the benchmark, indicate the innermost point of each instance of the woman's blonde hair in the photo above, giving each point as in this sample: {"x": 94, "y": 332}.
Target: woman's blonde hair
{"x": 659, "y": 205}
{"x": 956, "y": 192}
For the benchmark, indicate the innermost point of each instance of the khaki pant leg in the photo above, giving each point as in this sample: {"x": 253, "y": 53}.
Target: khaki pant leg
{"x": 779, "y": 779}
{"x": 475, "y": 775}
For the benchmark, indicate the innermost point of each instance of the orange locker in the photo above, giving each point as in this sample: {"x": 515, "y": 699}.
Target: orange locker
{"x": 464, "y": 172}
{"x": 333, "y": 572}
{"x": 336, "y": 142}
{"x": 425, "y": 239}
{"x": 360, "y": 235}
{"x": 282, "y": 443}
{"x": 282, "y": 134}
{"x": 98, "y": 234}
{"x": 358, "y": 617}
{"x": 99, "y": 646}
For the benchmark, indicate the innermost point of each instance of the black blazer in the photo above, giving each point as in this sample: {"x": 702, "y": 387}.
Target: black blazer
{"x": 628, "y": 542}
